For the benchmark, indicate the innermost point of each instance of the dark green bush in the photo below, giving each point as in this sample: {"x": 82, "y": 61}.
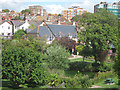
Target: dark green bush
{"x": 23, "y": 66}
{"x": 81, "y": 66}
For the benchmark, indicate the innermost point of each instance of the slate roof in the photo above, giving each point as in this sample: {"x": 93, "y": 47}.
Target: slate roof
{"x": 18, "y": 23}
{"x": 35, "y": 23}
{"x": 43, "y": 31}
{"x": 64, "y": 29}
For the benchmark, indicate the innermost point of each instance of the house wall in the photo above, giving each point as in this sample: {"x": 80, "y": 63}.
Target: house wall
{"x": 5, "y": 28}
{"x": 24, "y": 26}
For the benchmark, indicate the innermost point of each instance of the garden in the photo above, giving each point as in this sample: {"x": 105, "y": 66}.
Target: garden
{"x": 31, "y": 63}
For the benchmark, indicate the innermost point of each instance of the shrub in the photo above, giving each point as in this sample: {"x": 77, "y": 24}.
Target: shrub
{"x": 81, "y": 66}
{"x": 57, "y": 57}
{"x": 23, "y": 66}
{"x": 54, "y": 81}
{"x": 19, "y": 34}
{"x": 78, "y": 81}
{"x": 103, "y": 75}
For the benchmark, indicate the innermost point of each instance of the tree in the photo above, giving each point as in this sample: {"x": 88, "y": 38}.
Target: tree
{"x": 23, "y": 65}
{"x": 19, "y": 34}
{"x": 84, "y": 50}
{"x": 32, "y": 26}
{"x": 67, "y": 43}
{"x": 26, "y": 10}
{"x": 5, "y": 10}
{"x": 100, "y": 28}
{"x": 57, "y": 57}
{"x": 16, "y": 18}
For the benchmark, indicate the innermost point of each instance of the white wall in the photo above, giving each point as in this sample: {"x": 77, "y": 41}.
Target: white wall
{"x": 25, "y": 25}
{"x": 4, "y": 28}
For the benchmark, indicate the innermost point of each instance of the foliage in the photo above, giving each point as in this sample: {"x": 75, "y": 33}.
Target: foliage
{"x": 90, "y": 67}
{"x": 57, "y": 57}
{"x": 102, "y": 76}
{"x": 66, "y": 42}
{"x": 26, "y": 10}
{"x": 19, "y": 34}
{"x": 99, "y": 28}
{"x": 23, "y": 66}
{"x": 16, "y": 18}
{"x": 78, "y": 81}
{"x": 5, "y": 10}
{"x": 54, "y": 81}
{"x": 31, "y": 27}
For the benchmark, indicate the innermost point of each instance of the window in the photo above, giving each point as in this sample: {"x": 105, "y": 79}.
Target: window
{"x": 22, "y": 27}
{"x": 8, "y": 27}
{"x": 2, "y": 26}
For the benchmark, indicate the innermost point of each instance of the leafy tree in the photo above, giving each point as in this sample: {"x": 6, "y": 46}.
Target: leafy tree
{"x": 99, "y": 28}
{"x": 84, "y": 50}
{"x": 5, "y": 10}
{"x": 57, "y": 57}
{"x": 32, "y": 26}
{"x": 23, "y": 66}
{"x": 67, "y": 43}
{"x": 26, "y": 10}
{"x": 59, "y": 15}
{"x": 16, "y": 18}
{"x": 19, "y": 34}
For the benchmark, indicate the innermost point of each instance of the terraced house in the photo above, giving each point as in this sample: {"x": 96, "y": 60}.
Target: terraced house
{"x": 52, "y": 31}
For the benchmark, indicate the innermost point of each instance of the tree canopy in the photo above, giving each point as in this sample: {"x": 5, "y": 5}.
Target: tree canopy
{"x": 5, "y": 10}
{"x": 99, "y": 28}
{"x": 26, "y": 10}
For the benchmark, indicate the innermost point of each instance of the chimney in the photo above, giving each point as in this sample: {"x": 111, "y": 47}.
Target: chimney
{"x": 74, "y": 23}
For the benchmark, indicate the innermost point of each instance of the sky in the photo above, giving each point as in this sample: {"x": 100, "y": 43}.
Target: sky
{"x": 52, "y": 6}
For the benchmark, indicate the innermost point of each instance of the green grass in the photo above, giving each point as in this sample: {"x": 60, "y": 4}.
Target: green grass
{"x": 101, "y": 83}
{"x": 80, "y": 59}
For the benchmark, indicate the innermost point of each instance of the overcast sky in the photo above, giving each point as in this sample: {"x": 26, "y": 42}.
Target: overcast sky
{"x": 52, "y": 6}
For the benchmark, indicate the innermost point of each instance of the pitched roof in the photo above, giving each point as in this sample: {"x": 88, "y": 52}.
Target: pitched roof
{"x": 18, "y": 23}
{"x": 56, "y": 29}
{"x": 35, "y": 23}
{"x": 64, "y": 29}
{"x": 43, "y": 31}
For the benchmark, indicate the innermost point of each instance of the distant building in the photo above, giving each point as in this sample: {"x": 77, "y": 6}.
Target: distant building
{"x": 114, "y": 7}
{"x": 38, "y": 10}
{"x": 73, "y": 11}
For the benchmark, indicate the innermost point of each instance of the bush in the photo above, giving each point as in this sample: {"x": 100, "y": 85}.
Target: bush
{"x": 103, "y": 75}
{"x": 78, "y": 81}
{"x": 81, "y": 66}
{"x": 54, "y": 81}
{"x": 23, "y": 66}
{"x": 19, "y": 34}
{"x": 57, "y": 57}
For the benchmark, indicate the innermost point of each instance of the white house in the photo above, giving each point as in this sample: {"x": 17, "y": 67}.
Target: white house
{"x": 25, "y": 25}
{"x": 6, "y": 28}
{"x": 18, "y": 24}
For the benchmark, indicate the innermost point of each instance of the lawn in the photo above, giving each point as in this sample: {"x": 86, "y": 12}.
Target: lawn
{"x": 80, "y": 59}
{"x": 101, "y": 83}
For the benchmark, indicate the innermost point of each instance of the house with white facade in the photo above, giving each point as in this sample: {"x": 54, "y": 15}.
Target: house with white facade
{"x": 6, "y": 28}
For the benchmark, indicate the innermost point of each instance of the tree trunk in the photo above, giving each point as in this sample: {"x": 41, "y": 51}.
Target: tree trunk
{"x": 102, "y": 56}
{"x": 83, "y": 58}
